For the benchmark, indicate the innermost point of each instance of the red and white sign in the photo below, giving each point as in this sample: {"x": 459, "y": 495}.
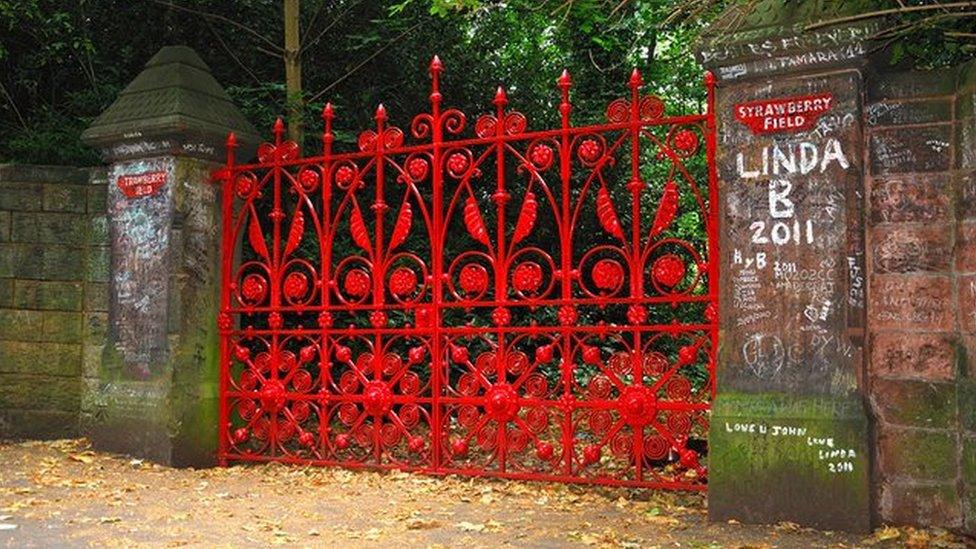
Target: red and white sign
{"x": 142, "y": 184}
{"x": 786, "y": 114}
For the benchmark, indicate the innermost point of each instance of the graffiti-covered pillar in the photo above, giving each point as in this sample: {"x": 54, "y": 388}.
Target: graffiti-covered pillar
{"x": 789, "y": 432}
{"x": 155, "y": 394}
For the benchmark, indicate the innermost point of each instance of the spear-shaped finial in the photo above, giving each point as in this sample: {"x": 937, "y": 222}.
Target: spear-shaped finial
{"x": 501, "y": 98}
{"x": 231, "y": 146}
{"x": 436, "y": 66}
{"x": 564, "y": 82}
{"x": 380, "y": 113}
{"x": 435, "y": 82}
{"x": 636, "y": 80}
{"x": 279, "y": 129}
{"x": 327, "y": 138}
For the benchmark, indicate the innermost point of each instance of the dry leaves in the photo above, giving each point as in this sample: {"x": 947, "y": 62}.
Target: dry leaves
{"x": 84, "y": 496}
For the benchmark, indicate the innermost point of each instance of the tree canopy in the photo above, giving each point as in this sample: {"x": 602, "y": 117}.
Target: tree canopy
{"x": 62, "y": 63}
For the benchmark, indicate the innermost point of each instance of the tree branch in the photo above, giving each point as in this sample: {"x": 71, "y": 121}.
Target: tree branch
{"x": 218, "y": 17}
{"x": 891, "y": 11}
{"x": 10, "y": 100}
{"x": 362, "y": 63}
{"x": 308, "y": 44}
{"x": 231, "y": 54}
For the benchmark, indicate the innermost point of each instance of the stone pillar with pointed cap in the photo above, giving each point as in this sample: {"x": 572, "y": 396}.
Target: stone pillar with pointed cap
{"x": 156, "y": 396}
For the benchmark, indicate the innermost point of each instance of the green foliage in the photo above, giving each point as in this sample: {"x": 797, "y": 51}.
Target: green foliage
{"x": 62, "y": 63}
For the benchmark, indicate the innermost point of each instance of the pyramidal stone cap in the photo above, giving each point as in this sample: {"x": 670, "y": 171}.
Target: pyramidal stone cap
{"x": 174, "y": 106}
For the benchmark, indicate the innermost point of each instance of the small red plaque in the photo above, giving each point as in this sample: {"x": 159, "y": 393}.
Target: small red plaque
{"x": 786, "y": 114}
{"x": 142, "y": 184}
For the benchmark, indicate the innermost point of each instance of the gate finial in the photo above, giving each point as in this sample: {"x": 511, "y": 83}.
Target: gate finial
{"x": 279, "y": 129}
{"x": 501, "y": 98}
{"x": 564, "y": 82}
{"x": 327, "y": 136}
{"x": 636, "y": 80}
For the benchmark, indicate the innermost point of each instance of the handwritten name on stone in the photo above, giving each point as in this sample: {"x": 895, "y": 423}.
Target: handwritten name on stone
{"x": 836, "y": 459}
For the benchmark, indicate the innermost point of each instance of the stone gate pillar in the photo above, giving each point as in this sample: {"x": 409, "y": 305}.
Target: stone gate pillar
{"x": 157, "y": 391}
{"x": 789, "y": 431}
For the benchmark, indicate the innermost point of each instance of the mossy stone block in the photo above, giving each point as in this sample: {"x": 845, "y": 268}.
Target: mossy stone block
{"x": 785, "y": 457}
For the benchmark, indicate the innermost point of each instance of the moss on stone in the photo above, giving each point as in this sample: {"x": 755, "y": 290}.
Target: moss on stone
{"x": 760, "y": 473}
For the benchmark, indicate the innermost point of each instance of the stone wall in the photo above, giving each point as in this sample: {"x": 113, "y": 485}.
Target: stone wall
{"x": 921, "y": 233}
{"x": 54, "y": 266}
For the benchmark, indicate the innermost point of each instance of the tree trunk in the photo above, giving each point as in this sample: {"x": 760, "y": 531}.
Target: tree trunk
{"x": 293, "y": 72}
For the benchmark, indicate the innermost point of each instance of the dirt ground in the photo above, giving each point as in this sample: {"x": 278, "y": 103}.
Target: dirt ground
{"x": 62, "y": 494}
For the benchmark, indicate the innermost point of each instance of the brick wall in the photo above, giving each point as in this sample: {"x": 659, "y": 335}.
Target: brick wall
{"x": 53, "y": 276}
{"x": 921, "y": 256}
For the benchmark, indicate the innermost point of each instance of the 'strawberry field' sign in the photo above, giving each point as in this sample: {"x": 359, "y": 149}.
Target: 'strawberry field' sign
{"x": 142, "y": 184}
{"x": 787, "y": 114}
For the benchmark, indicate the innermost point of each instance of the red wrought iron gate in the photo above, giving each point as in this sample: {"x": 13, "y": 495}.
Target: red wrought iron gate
{"x": 490, "y": 300}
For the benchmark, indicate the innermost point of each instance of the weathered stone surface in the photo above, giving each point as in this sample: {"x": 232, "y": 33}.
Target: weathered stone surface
{"x": 96, "y": 297}
{"x": 897, "y": 113}
{"x": 917, "y": 454}
{"x": 966, "y": 143}
{"x": 910, "y": 150}
{"x": 914, "y": 403}
{"x": 967, "y": 404}
{"x": 37, "y": 392}
{"x": 98, "y": 225}
{"x": 911, "y": 302}
{"x": 6, "y": 292}
{"x": 4, "y": 226}
{"x": 776, "y": 457}
{"x": 791, "y": 244}
{"x": 97, "y": 199}
{"x": 44, "y": 239}
{"x": 49, "y": 228}
{"x": 92, "y": 360}
{"x": 65, "y": 198}
{"x": 925, "y": 198}
{"x": 38, "y": 424}
{"x": 964, "y": 183}
{"x": 920, "y": 504}
{"x": 921, "y": 356}
{"x": 910, "y": 84}
{"x": 897, "y": 248}
{"x": 967, "y": 303}
{"x": 966, "y": 248}
{"x": 96, "y": 326}
{"x": 20, "y": 325}
{"x": 782, "y": 47}
{"x": 97, "y": 264}
{"x": 63, "y": 326}
{"x": 58, "y": 296}
{"x": 41, "y": 261}
{"x": 36, "y": 358}
{"x": 21, "y": 196}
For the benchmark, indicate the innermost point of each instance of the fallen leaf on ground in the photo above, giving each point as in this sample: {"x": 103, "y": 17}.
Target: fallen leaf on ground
{"x": 418, "y": 523}
{"x": 84, "y": 457}
{"x": 882, "y": 534}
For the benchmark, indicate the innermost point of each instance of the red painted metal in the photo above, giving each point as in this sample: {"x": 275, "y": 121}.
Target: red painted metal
{"x": 478, "y": 304}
